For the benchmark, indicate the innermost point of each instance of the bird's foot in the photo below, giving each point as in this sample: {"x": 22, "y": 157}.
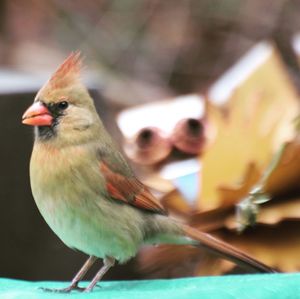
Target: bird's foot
{"x": 65, "y": 290}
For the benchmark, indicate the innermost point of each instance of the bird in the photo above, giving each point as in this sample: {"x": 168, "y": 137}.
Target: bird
{"x": 86, "y": 191}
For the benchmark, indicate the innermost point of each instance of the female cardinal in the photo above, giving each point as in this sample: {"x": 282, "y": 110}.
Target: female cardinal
{"x": 87, "y": 192}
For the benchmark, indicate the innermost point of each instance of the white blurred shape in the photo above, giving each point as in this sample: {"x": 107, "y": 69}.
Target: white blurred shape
{"x": 221, "y": 91}
{"x": 163, "y": 114}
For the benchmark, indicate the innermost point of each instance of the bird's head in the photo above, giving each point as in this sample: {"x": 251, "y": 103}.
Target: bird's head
{"x": 63, "y": 111}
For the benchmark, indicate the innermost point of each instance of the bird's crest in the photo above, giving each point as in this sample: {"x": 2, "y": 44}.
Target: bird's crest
{"x": 68, "y": 72}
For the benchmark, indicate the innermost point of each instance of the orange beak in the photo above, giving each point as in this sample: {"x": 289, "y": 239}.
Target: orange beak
{"x": 37, "y": 115}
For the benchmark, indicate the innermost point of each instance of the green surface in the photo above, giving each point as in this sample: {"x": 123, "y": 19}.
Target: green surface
{"x": 238, "y": 286}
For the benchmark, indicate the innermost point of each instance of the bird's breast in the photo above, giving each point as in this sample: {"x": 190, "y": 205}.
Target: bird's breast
{"x": 69, "y": 196}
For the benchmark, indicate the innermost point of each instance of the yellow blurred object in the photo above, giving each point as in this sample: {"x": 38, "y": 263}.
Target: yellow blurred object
{"x": 281, "y": 177}
{"x": 232, "y": 194}
{"x": 250, "y": 127}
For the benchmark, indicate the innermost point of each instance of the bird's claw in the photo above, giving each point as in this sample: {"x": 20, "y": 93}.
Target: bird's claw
{"x": 64, "y": 290}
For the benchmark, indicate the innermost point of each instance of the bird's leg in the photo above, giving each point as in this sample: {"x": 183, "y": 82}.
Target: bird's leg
{"x": 81, "y": 273}
{"x": 108, "y": 263}
{"x": 74, "y": 284}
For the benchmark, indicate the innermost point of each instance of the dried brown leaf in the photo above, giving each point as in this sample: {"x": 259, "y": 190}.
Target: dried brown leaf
{"x": 256, "y": 121}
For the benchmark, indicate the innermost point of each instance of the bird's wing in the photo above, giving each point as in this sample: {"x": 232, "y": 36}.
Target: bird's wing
{"x": 129, "y": 190}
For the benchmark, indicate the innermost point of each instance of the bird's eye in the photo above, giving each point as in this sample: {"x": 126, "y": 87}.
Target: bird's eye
{"x": 63, "y": 105}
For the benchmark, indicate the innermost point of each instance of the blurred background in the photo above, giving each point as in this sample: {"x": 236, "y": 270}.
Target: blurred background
{"x": 239, "y": 60}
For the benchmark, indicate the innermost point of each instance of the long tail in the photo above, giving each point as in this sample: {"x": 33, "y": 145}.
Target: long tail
{"x": 226, "y": 251}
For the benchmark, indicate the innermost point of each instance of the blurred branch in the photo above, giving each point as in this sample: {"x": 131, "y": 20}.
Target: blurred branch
{"x": 113, "y": 61}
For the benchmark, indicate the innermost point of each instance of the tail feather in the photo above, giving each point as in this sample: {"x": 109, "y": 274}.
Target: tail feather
{"x": 227, "y": 251}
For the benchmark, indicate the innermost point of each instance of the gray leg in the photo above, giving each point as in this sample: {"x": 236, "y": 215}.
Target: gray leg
{"x": 74, "y": 284}
{"x": 108, "y": 263}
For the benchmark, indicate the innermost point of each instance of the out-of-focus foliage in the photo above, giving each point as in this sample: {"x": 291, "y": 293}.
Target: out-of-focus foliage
{"x": 255, "y": 121}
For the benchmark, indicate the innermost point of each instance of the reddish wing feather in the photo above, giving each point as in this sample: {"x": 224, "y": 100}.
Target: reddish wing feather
{"x": 130, "y": 191}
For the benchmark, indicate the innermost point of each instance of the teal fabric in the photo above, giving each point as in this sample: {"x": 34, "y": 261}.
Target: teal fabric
{"x": 254, "y": 286}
